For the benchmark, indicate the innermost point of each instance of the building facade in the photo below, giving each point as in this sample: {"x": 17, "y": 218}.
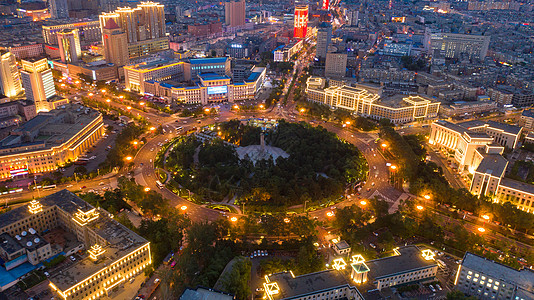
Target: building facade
{"x": 234, "y": 13}
{"x": 10, "y": 82}
{"x": 335, "y": 65}
{"x": 70, "y": 50}
{"x": 454, "y": 44}
{"x": 115, "y": 44}
{"x": 89, "y": 31}
{"x": 485, "y": 279}
{"x": 300, "y": 23}
{"x": 324, "y": 39}
{"x": 38, "y": 82}
{"x": 49, "y": 140}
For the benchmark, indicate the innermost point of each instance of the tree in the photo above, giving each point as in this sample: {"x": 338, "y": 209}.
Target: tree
{"x": 457, "y": 295}
{"x": 80, "y": 170}
{"x": 236, "y": 281}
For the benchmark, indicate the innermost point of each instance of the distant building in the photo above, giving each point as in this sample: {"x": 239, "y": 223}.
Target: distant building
{"x": 341, "y": 247}
{"x": 16, "y": 112}
{"x": 485, "y": 279}
{"x": 286, "y": 52}
{"x": 468, "y": 107}
{"x": 324, "y": 38}
{"x": 510, "y": 95}
{"x": 27, "y": 51}
{"x": 300, "y": 22}
{"x": 115, "y": 44}
{"x": 10, "y": 83}
{"x": 455, "y": 44}
{"x": 336, "y": 64}
{"x": 69, "y": 45}
{"x": 89, "y": 31}
{"x": 366, "y": 101}
{"x": 352, "y": 17}
{"x": 234, "y": 12}
{"x": 49, "y": 140}
{"x": 330, "y": 284}
{"x": 527, "y": 120}
{"x": 59, "y": 9}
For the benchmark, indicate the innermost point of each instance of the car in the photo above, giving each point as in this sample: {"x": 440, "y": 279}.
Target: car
{"x": 83, "y": 187}
{"x": 260, "y": 289}
{"x": 156, "y": 280}
{"x": 101, "y": 183}
{"x": 72, "y": 258}
{"x": 439, "y": 287}
{"x": 432, "y": 288}
{"x": 372, "y": 245}
{"x": 70, "y": 185}
{"x": 47, "y": 274}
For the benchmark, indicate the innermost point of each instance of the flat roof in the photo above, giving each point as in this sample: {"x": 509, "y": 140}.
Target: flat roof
{"x": 517, "y": 185}
{"x": 502, "y": 126}
{"x": 410, "y": 259}
{"x": 213, "y": 60}
{"x": 524, "y": 278}
{"x": 451, "y": 126}
{"x": 308, "y": 283}
{"x": 213, "y": 76}
{"x": 201, "y": 293}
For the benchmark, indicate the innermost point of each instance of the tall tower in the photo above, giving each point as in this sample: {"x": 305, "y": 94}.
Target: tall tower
{"x": 234, "y": 13}
{"x": 38, "y": 82}
{"x": 59, "y": 9}
{"x": 154, "y": 17}
{"x": 115, "y": 44}
{"x": 300, "y": 27}
{"x": 324, "y": 37}
{"x": 10, "y": 84}
{"x": 69, "y": 45}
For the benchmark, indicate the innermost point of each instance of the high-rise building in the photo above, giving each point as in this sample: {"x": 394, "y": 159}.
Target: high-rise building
{"x": 59, "y": 9}
{"x": 69, "y": 45}
{"x": 88, "y": 31}
{"x": 324, "y": 38}
{"x": 109, "y": 5}
{"x": 115, "y": 44}
{"x": 38, "y": 82}
{"x": 300, "y": 26}
{"x": 234, "y": 13}
{"x": 454, "y": 44}
{"x": 326, "y": 4}
{"x": 144, "y": 27}
{"x": 352, "y": 17}
{"x": 336, "y": 64}
{"x": 10, "y": 84}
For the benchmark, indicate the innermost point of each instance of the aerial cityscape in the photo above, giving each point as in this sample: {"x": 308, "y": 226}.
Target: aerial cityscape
{"x": 266, "y": 149}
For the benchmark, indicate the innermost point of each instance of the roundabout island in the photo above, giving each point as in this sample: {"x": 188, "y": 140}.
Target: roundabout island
{"x": 263, "y": 165}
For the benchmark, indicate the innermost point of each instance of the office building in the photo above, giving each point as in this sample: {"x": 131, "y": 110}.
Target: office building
{"x": 70, "y": 50}
{"x": 527, "y": 120}
{"x": 234, "y": 13}
{"x": 63, "y": 224}
{"x": 49, "y": 140}
{"x": 10, "y": 83}
{"x": 486, "y": 279}
{"x": 88, "y": 31}
{"x": 454, "y": 44}
{"x": 115, "y": 44}
{"x": 38, "y": 83}
{"x": 59, "y": 9}
{"x": 329, "y": 284}
{"x": 324, "y": 38}
{"x": 300, "y": 23}
{"x": 27, "y": 51}
{"x": 336, "y": 64}
{"x": 408, "y": 265}
{"x": 143, "y": 25}
{"x": 366, "y": 101}
{"x": 462, "y": 108}
{"x": 352, "y": 17}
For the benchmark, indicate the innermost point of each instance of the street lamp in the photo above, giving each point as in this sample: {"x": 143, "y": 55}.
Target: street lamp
{"x": 128, "y": 158}
{"x": 330, "y": 214}
{"x": 485, "y": 217}
{"x": 384, "y": 145}
{"x": 103, "y": 91}
{"x": 419, "y": 207}
{"x": 183, "y": 207}
{"x": 206, "y": 110}
{"x": 129, "y": 107}
{"x": 363, "y": 202}
{"x": 262, "y": 106}
{"x": 348, "y": 122}
{"x": 427, "y": 197}
{"x": 152, "y": 128}
{"x": 481, "y": 229}
{"x": 233, "y": 219}
{"x": 235, "y": 107}
{"x": 286, "y": 220}
{"x": 147, "y": 189}
{"x": 141, "y": 103}
{"x": 107, "y": 100}
{"x": 302, "y": 110}
{"x": 90, "y": 94}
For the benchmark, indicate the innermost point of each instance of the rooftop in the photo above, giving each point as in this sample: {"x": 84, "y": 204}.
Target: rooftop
{"x": 213, "y": 76}
{"x": 201, "y": 293}
{"x": 512, "y": 129}
{"x": 518, "y": 185}
{"x": 409, "y": 259}
{"x": 493, "y": 164}
{"x": 306, "y": 284}
{"x": 524, "y": 278}
{"x": 213, "y": 60}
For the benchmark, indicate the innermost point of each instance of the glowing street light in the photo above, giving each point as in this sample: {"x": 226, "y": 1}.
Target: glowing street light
{"x": 233, "y": 219}
{"x": 77, "y": 82}
{"x": 141, "y": 103}
{"x": 107, "y": 100}
{"x": 235, "y": 106}
{"x": 330, "y": 214}
{"x": 286, "y": 220}
{"x": 147, "y": 189}
{"x": 363, "y": 202}
{"x": 183, "y": 207}
{"x": 207, "y": 110}
{"x": 103, "y": 91}
{"x": 481, "y": 229}
{"x": 135, "y": 142}
{"x": 128, "y": 158}
{"x": 393, "y": 167}
{"x": 419, "y": 207}
{"x": 62, "y": 84}
{"x": 129, "y": 107}
{"x": 427, "y": 197}
{"x": 348, "y": 122}
{"x": 262, "y": 106}
{"x": 485, "y": 217}
{"x": 302, "y": 110}
{"x": 121, "y": 96}
{"x": 90, "y": 94}
{"x": 152, "y": 128}
{"x": 384, "y": 145}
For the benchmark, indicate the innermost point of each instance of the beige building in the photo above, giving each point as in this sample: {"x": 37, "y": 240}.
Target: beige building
{"x": 69, "y": 45}
{"x": 38, "y": 82}
{"x": 455, "y": 44}
{"x": 50, "y": 140}
{"x": 89, "y": 31}
{"x": 364, "y": 101}
{"x": 10, "y": 83}
{"x": 336, "y": 64}
{"x": 115, "y": 44}
{"x": 234, "y": 13}
{"x": 114, "y": 254}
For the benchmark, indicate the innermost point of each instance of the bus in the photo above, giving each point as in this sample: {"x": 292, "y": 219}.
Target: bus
{"x": 49, "y": 187}
{"x": 81, "y": 161}
{"x": 159, "y": 184}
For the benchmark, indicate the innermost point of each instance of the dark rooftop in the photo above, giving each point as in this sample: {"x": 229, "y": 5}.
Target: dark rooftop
{"x": 410, "y": 259}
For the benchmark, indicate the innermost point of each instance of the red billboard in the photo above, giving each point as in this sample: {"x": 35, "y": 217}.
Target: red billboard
{"x": 301, "y": 21}
{"x": 326, "y": 4}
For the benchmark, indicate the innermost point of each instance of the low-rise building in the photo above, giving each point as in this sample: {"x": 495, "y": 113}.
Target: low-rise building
{"x": 204, "y": 293}
{"x": 329, "y": 284}
{"x": 364, "y": 101}
{"x": 50, "y": 140}
{"x": 286, "y": 52}
{"x": 485, "y": 279}
{"x": 341, "y": 247}
{"x": 468, "y": 107}
{"x": 527, "y": 120}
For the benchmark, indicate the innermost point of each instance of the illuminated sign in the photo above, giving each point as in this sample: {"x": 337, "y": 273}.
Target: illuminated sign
{"x": 326, "y": 4}
{"x": 18, "y": 172}
{"x": 301, "y": 22}
{"x": 217, "y": 89}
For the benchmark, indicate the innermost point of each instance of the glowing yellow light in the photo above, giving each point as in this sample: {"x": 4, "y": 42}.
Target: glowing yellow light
{"x": 428, "y": 254}
{"x": 152, "y": 128}
{"x": 90, "y": 94}
{"x": 142, "y": 103}
{"x": 35, "y": 207}
{"x": 348, "y": 122}
{"x": 427, "y": 197}
{"x": 481, "y": 229}
{"x": 207, "y": 110}
{"x": 384, "y": 145}
{"x": 121, "y": 96}
{"x": 103, "y": 90}
{"x": 129, "y": 158}
{"x": 271, "y": 288}
{"x": 107, "y": 100}
{"x": 147, "y": 189}
{"x": 183, "y": 207}
{"x": 393, "y": 167}
{"x": 77, "y": 81}
{"x": 62, "y": 84}
{"x": 363, "y": 202}
{"x": 339, "y": 264}
{"x": 330, "y": 214}
{"x": 135, "y": 142}
{"x": 358, "y": 259}
{"x": 262, "y": 106}
{"x": 233, "y": 219}
{"x": 419, "y": 207}
{"x": 236, "y": 106}
{"x": 302, "y": 110}
{"x": 485, "y": 217}
{"x": 129, "y": 107}
{"x": 286, "y": 220}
